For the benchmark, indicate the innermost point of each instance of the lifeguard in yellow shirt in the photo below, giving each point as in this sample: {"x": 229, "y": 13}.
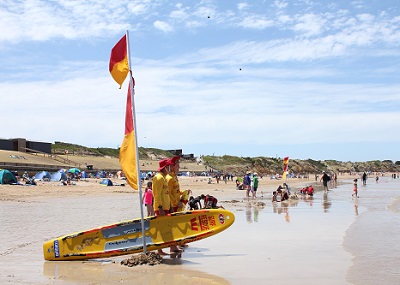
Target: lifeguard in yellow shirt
{"x": 179, "y": 198}
{"x": 173, "y": 184}
{"x": 162, "y": 202}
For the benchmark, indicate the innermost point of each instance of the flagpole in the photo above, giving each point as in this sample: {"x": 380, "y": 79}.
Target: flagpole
{"x": 139, "y": 182}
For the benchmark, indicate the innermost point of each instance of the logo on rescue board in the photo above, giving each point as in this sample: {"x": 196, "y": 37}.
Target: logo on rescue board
{"x": 56, "y": 249}
{"x": 205, "y": 222}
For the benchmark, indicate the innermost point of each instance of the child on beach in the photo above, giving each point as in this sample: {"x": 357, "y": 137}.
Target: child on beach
{"x": 194, "y": 203}
{"x": 148, "y": 199}
{"x": 355, "y": 189}
{"x": 210, "y": 202}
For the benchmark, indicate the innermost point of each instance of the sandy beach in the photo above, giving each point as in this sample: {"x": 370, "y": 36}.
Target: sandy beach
{"x": 330, "y": 239}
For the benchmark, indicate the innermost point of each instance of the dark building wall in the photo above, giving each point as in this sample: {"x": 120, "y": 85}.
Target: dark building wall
{"x": 40, "y": 146}
{"x": 176, "y": 151}
{"x": 20, "y": 145}
{"x": 6, "y": 144}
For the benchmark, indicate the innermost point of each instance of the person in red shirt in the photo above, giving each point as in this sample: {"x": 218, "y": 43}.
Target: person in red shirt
{"x": 310, "y": 190}
{"x": 210, "y": 202}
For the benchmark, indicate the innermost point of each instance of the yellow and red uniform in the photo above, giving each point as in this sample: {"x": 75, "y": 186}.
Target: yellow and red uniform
{"x": 174, "y": 191}
{"x": 161, "y": 192}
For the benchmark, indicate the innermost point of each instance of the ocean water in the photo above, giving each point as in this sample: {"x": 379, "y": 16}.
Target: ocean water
{"x": 374, "y": 237}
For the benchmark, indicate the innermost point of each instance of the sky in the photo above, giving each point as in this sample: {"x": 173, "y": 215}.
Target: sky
{"x": 302, "y": 78}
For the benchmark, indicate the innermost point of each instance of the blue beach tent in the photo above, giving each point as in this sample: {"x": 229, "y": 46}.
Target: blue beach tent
{"x": 84, "y": 174}
{"x": 7, "y": 177}
{"x": 43, "y": 175}
{"x": 58, "y": 176}
{"x": 106, "y": 182}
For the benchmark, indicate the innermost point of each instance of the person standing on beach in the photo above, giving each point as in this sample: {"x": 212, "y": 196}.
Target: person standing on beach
{"x": 162, "y": 201}
{"x": 247, "y": 183}
{"x": 325, "y": 179}
{"x": 173, "y": 184}
{"x": 355, "y": 189}
{"x": 148, "y": 199}
{"x": 364, "y": 178}
{"x": 255, "y": 185}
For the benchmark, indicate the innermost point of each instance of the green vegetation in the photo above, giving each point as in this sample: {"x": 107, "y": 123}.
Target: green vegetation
{"x": 144, "y": 153}
{"x": 239, "y": 165}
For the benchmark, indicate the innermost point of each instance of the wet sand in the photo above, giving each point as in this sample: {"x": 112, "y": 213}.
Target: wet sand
{"x": 325, "y": 240}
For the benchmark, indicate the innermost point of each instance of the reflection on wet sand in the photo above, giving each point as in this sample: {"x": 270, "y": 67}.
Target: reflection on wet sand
{"x": 253, "y": 206}
{"x": 356, "y": 209}
{"x": 108, "y": 272}
{"x": 283, "y": 207}
{"x": 326, "y": 202}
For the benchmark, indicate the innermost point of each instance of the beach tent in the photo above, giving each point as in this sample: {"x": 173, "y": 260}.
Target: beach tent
{"x": 106, "y": 182}
{"x": 44, "y": 175}
{"x": 58, "y": 176}
{"x": 84, "y": 174}
{"x": 7, "y": 177}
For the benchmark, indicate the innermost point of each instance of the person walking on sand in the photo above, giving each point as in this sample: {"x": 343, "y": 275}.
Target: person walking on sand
{"x": 148, "y": 199}
{"x": 162, "y": 201}
{"x": 355, "y": 188}
{"x": 325, "y": 179}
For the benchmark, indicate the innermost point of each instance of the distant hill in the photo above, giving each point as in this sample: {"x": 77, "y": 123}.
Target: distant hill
{"x": 239, "y": 165}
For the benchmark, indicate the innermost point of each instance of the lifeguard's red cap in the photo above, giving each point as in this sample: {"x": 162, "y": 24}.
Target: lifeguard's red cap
{"x": 174, "y": 159}
{"x": 163, "y": 163}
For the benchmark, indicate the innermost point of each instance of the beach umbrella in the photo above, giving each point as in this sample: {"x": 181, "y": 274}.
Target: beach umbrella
{"x": 74, "y": 170}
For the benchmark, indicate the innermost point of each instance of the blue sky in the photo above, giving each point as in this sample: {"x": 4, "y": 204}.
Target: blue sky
{"x": 304, "y": 79}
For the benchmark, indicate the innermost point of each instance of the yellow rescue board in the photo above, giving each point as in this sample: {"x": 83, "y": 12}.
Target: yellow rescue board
{"x": 126, "y": 237}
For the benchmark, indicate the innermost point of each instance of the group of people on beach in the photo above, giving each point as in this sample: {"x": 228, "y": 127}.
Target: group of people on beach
{"x": 210, "y": 202}
{"x": 249, "y": 183}
{"x": 163, "y": 195}
{"x": 282, "y": 193}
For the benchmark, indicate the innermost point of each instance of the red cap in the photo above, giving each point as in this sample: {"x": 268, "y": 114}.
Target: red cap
{"x": 163, "y": 163}
{"x": 174, "y": 159}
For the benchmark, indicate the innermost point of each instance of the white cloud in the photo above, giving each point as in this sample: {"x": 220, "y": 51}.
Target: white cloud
{"x": 256, "y": 22}
{"x": 280, "y": 4}
{"x": 309, "y": 24}
{"x": 180, "y": 13}
{"x": 163, "y": 26}
{"x": 242, "y": 5}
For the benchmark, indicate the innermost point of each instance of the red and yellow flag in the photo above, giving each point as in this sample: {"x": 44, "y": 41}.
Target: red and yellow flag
{"x": 119, "y": 66}
{"x": 285, "y": 166}
{"x": 127, "y": 152}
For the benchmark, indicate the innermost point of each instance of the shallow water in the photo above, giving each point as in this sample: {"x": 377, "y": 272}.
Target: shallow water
{"x": 374, "y": 238}
{"x": 305, "y": 242}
